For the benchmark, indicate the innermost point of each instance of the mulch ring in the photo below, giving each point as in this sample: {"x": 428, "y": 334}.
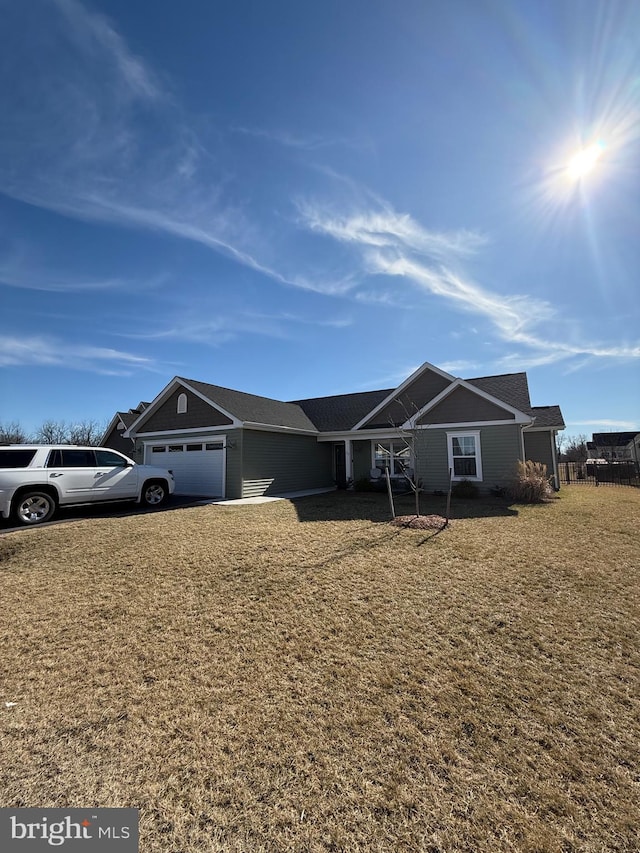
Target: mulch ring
{"x": 421, "y": 522}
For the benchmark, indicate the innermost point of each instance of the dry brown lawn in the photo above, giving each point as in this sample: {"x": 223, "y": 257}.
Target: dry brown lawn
{"x": 306, "y": 677}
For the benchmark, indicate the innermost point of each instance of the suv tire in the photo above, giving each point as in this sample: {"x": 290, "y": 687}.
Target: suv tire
{"x": 33, "y": 507}
{"x": 154, "y": 493}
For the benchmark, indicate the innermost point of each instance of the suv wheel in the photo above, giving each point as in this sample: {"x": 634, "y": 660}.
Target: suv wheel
{"x": 34, "y": 508}
{"x": 154, "y": 493}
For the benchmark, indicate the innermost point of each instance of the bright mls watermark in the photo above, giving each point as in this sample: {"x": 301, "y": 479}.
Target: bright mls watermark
{"x": 86, "y": 830}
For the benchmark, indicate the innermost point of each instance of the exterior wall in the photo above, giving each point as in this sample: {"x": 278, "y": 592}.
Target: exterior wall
{"x": 198, "y": 414}
{"x": 500, "y": 448}
{"x": 361, "y": 459}
{"x": 276, "y": 462}
{"x": 116, "y": 441}
{"x": 233, "y": 488}
{"x": 412, "y": 399}
{"x": 538, "y": 448}
{"x": 463, "y": 406}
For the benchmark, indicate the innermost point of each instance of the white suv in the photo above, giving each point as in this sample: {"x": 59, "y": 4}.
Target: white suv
{"x": 36, "y": 479}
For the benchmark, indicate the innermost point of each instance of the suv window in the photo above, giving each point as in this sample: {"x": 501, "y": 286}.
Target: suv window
{"x": 73, "y": 458}
{"x": 109, "y": 459}
{"x": 16, "y": 458}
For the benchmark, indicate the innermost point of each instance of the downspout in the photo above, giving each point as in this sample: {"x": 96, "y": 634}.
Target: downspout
{"x": 522, "y": 429}
{"x": 554, "y": 456}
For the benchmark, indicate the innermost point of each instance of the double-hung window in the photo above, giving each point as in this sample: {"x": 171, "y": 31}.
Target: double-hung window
{"x": 464, "y": 455}
{"x": 392, "y": 455}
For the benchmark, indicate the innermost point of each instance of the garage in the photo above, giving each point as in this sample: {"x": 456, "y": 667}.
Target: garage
{"x": 197, "y": 464}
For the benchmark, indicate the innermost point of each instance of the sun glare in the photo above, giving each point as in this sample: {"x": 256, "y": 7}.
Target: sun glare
{"x": 584, "y": 161}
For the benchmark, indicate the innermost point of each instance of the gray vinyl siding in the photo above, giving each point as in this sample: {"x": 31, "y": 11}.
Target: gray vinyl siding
{"x": 361, "y": 451}
{"x": 411, "y": 400}
{"x": 116, "y": 441}
{"x": 233, "y": 489}
{"x": 537, "y": 448}
{"x": 198, "y": 414}
{"x": 500, "y": 448}
{"x": 275, "y": 462}
{"x": 463, "y": 406}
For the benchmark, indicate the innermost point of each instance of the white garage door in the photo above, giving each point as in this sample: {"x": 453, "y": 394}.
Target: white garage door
{"x": 197, "y": 465}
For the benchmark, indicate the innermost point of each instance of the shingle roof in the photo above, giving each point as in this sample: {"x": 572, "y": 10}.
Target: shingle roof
{"x": 254, "y": 409}
{"x": 548, "y": 416}
{"x": 334, "y": 414}
{"x": 128, "y": 418}
{"x": 341, "y": 412}
{"x": 511, "y": 388}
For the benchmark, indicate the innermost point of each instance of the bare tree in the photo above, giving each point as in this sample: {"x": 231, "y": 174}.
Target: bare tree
{"x": 12, "y": 433}
{"x": 86, "y": 432}
{"x": 52, "y": 432}
{"x": 574, "y": 448}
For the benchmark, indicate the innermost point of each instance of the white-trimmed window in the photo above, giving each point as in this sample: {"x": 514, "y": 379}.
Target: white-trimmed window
{"x": 182, "y": 404}
{"x": 392, "y": 455}
{"x": 464, "y": 455}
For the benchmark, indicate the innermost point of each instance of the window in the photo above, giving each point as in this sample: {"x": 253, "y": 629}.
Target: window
{"x": 121, "y": 426}
{"x": 71, "y": 459}
{"x": 464, "y": 455}
{"x": 392, "y": 455}
{"x": 159, "y": 448}
{"x": 176, "y": 448}
{"x": 16, "y": 458}
{"x": 182, "y": 404}
{"x": 214, "y": 445}
{"x": 194, "y": 447}
{"x": 109, "y": 459}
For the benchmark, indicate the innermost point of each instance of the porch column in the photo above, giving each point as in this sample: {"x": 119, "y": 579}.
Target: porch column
{"x": 348, "y": 459}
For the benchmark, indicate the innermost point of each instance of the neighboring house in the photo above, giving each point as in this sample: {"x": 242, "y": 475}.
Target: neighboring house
{"x": 615, "y": 446}
{"x": 220, "y": 442}
{"x": 114, "y": 436}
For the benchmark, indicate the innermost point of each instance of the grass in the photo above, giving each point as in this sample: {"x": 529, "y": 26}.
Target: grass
{"x": 305, "y": 677}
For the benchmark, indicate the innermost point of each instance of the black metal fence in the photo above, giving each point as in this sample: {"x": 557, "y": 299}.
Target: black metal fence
{"x": 599, "y": 473}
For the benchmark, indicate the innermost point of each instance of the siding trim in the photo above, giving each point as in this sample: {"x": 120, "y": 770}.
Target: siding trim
{"x": 275, "y": 428}
{"x": 464, "y": 424}
{"x": 190, "y": 430}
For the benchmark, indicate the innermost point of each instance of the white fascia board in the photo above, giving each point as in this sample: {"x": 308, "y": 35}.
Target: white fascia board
{"x": 276, "y": 428}
{"x": 534, "y": 428}
{"x": 184, "y": 432}
{"x": 205, "y": 436}
{"x": 392, "y": 396}
{"x": 519, "y": 417}
{"x": 466, "y": 425}
{"x": 360, "y": 435}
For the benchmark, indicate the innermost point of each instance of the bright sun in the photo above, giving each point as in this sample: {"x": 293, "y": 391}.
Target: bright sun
{"x": 584, "y": 161}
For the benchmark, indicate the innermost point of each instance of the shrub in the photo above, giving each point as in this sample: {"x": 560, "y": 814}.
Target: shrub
{"x": 531, "y": 484}
{"x": 464, "y": 489}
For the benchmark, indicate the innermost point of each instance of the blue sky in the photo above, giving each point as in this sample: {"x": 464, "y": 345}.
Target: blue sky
{"x": 306, "y": 198}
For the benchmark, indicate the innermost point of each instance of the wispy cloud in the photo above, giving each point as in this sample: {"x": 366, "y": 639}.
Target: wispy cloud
{"x": 18, "y": 272}
{"x": 391, "y": 244}
{"x": 223, "y": 328}
{"x": 606, "y": 424}
{"x": 51, "y": 352}
{"x": 307, "y": 142}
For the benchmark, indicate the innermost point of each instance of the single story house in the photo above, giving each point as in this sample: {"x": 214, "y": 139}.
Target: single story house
{"x": 221, "y": 442}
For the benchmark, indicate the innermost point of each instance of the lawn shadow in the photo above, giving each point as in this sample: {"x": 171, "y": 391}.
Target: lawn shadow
{"x": 374, "y": 506}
